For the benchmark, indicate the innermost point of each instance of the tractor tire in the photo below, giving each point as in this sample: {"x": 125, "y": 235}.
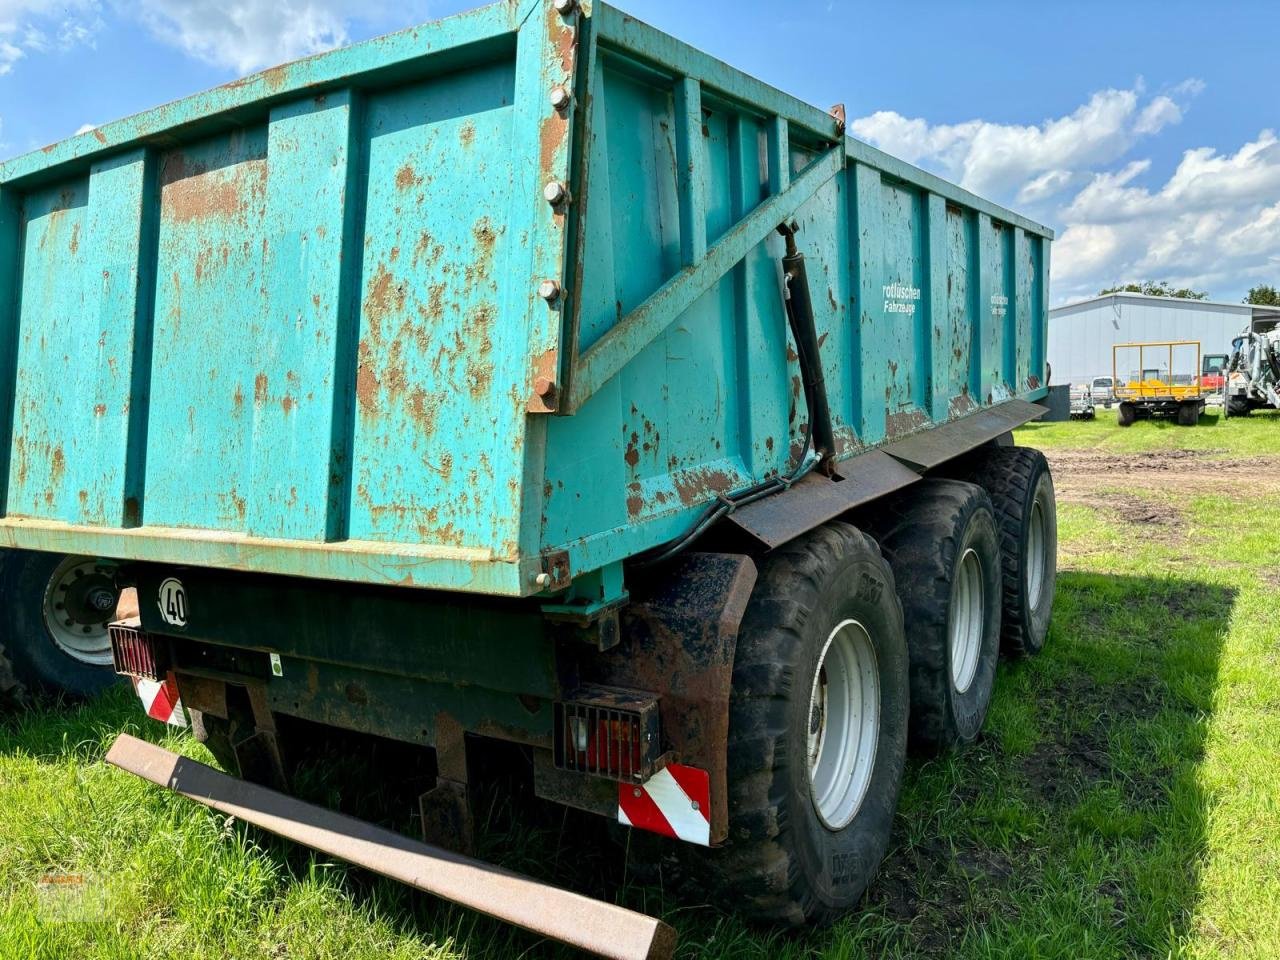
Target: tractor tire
{"x": 941, "y": 539}
{"x": 53, "y": 636}
{"x": 1238, "y": 407}
{"x": 1127, "y": 414}
{"x": 1020, "y": 485}
{"x": 811, "y": 803}
{"x": 1188, "y": 414}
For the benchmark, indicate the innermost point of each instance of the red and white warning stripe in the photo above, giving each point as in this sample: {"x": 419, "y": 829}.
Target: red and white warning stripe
{"x": 675, "y": 802}
{"x": 161, "y": 700}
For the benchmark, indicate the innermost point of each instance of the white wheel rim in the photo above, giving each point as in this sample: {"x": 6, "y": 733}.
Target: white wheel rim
{"x": 1035, "y": 555}
{"x": 76, "y": 612}
{"x": 844, "y": 724}
{"x": 968, "y": 618}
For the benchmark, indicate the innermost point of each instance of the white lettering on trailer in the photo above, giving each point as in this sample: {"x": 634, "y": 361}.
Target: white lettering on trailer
{"x": 900, "y": 298}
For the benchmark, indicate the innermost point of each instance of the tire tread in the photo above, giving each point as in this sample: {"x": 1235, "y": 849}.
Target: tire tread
{"x": 765, "y": 878}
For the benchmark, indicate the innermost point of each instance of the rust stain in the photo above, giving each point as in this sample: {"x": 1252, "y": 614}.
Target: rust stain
{"x": 903, "y": 422}
{"x": 276, "y": 78}
{"x": 422, "y": 408}
{"x": 287, "y": 403}
{"x": 384, "y": 297}
{"x": 961, "y": 404}
{"x": 74, "y": 245}
{"x": 635, "y": 501}
{"x": 545, "y": 367}
{"x": 1033, "y": 382}
{"x": 237, "y": 398}
{"x": 554, "y": 131}
{"x": 20, "y": 445}
{"x": 236, "y": 501}
{"x": 190, "y": 192}
{"x": 564, "y": 38}
{"x": 467, "y": 136}
{"x": 260, "y": 389}
{"x": 58, "y": 465}
{"x": 427, "y": 249}
{"x": 99, "y": 135}
{"x": 694, "y": 486}
{"x": 367, "y": 383}
{"x": 99, "y": 409}
{"x": 406, "y": 178}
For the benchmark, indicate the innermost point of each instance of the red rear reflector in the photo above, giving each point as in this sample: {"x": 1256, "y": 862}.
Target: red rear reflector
{"x": 608, "y": 733}
{"x": 133, "y": 652}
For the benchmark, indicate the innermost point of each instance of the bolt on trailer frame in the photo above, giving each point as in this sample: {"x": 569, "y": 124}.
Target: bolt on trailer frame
{"x": 1153, "y": 393}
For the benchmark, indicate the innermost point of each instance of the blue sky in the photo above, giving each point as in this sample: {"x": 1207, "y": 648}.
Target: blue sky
{"x": 1142, "y": 132}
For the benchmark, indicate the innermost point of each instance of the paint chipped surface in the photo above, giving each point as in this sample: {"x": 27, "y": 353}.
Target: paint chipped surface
{"x": 350, "y": 350}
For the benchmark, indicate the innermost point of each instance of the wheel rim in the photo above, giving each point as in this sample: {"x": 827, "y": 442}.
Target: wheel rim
{"x": 844, "y": 724}
{"x": 80, "y": 600}
{"x": 968, "y": 618}
{"x": 1035, "y": 555}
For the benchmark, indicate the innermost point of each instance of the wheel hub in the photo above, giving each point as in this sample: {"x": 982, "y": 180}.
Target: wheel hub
{"x": 844, "y": 724}
{"x": 1035, "y": 555}
{"x": 80, "y": 601}
{"x": 968, "y": 620}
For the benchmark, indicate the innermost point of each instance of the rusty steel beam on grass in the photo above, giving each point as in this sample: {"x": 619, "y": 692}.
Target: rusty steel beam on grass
{"x": 592, "y": 925}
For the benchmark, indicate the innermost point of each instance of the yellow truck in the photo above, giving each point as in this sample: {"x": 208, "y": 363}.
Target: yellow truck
{"x": 1155, "y": 387}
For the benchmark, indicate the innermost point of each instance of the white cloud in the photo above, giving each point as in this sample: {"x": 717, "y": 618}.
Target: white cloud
{"x": 1001, "y": 159}
{"x": 1046, "y": 185}
{"x": 1156, "y": 115}
{"x": 1213, "y": 223}
{"x": 9, "y": 55}
{"x": 26, "y": 26}
{"x": 246, "y": 35}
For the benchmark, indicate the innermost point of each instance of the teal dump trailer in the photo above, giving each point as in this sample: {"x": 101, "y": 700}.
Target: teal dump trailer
{"x": 532, "y": 376}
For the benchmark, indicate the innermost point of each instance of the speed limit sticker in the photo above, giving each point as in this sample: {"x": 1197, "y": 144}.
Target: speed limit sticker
{"x": 173, "y": 602}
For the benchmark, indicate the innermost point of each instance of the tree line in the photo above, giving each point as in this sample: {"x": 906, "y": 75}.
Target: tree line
{"x": 1261, "y": 295}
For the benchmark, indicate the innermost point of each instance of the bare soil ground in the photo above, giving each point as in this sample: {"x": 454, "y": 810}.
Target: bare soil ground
{"x": 1083, "y": 476}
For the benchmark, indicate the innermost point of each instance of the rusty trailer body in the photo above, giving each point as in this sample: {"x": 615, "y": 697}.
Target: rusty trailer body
{"x": 294, "y": 325}
{"x": 403, "y": 380}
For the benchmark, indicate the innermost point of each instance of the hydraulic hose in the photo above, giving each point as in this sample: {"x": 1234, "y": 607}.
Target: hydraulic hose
{"x": 819, "y": 437}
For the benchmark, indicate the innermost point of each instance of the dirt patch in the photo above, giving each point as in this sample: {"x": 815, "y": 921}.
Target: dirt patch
{"x": 1072, "y": 760}
{"x": 938, "y": 889}
{"x": 1077, "y": 474}
{"x": 1137, "y": 510}
{"x": 1059, "y": 770}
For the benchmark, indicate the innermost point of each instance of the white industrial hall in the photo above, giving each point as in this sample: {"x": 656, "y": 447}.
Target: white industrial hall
{"x": 1082, "y": 334}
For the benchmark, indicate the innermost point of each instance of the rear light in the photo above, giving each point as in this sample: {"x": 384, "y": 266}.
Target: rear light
{"x": 608, "y": 733}
{"x": 135, "y": 653}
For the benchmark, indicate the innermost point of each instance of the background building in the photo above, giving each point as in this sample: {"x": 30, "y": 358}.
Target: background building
{"x": 1081, "y": 334}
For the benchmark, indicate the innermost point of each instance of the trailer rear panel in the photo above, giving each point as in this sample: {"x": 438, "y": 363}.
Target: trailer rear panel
{"x": 408, "y": 313}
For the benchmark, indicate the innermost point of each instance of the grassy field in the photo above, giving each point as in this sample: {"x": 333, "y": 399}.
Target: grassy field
{"x": 1124, "y": 801}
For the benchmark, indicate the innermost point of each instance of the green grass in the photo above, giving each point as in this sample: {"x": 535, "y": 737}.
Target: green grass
{"x": 1252, "y": 436}
{"x": 1124, "y": 801}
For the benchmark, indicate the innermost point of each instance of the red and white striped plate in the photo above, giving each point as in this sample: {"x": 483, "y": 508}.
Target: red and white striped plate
{"x": 675, "y": 802}
{"x": 161, "y": 700}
